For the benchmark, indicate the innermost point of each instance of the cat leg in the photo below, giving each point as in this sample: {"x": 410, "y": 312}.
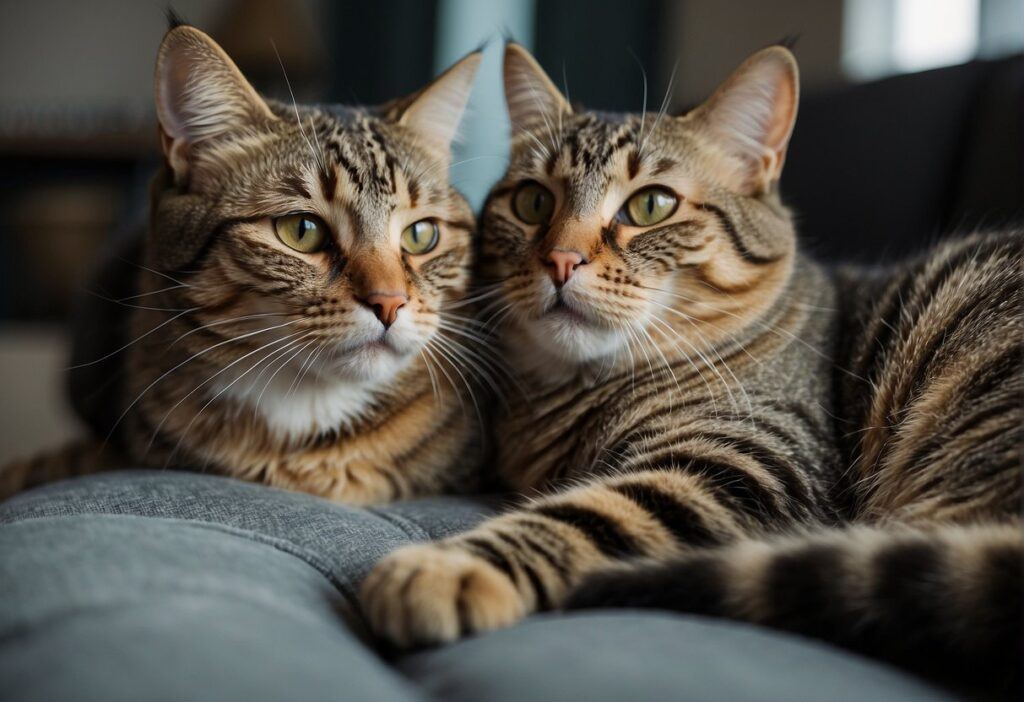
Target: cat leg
{"x": 528, "y": 560}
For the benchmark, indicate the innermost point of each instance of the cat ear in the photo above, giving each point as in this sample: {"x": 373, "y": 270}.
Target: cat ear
{"x": 531, "y": 96}
{"x": 751, "y": 116}
{"x": 436, "y": 110}
{"x": 200, "y": 94}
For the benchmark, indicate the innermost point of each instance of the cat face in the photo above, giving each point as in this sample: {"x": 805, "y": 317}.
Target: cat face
{"x": 609, "y": 228}
{"x": 333, "y": 230}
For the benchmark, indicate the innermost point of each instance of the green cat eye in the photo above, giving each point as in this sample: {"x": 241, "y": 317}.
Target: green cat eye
{"x": 420, "y": 237}
{"x": 533, "y": 203}
{"x": 301, "y": 232}
{"x": 650, "y": 206}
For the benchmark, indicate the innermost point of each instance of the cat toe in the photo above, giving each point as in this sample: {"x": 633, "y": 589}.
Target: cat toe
{"x": 426, "y": 595}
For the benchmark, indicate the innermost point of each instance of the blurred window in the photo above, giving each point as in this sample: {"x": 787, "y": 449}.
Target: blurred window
{"x": 479, "y": 157}
{"x": 886, "y": 37}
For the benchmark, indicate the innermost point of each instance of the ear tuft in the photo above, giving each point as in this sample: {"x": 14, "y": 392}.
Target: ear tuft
{"x": 789, "y": 41}
{"x": 174, "y": 20}
{"x": 436, "y": 110}
{"x": 531, "y": 97}
{"x": 751, "y": 116}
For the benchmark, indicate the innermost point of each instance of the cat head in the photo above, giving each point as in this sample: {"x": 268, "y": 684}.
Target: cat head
{"x": 609, "y": 228}
{"x": 334, "y": 226}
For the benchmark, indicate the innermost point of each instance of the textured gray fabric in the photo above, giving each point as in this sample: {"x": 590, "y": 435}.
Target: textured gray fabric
{"x": 104, "y": 607}
{"x": 153, "y": 586}
{"x": 341, "y": 541}
{"x": 634, "y": 655}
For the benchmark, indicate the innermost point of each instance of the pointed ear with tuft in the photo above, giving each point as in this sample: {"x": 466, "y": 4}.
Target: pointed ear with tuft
{"x": 200, "y": 94}
{"x": 435, "y": 111}
{"x": 751, "y": 116}
{"x": 531, "y": 97}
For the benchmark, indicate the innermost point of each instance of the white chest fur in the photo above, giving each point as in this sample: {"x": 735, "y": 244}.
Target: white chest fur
{"x": 294, "y": 410}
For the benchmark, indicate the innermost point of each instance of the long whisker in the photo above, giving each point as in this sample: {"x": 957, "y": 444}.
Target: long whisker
{"x": 285, "y": 356}
{"x": 187, "y": 360}
{"x": 728, "y": 369}
{"x": 643, "y": 106}
{"x": 209, "y": 402}
{"x": 442, "y": 165}
{"x": 295, "y": 106}
{"x": 221, "y": 322}
{"x": 471, "y": 322}
{"x": 196, "y": 389}
{"x": 131, "y": 306}
{"x": 689, "y": 359}
{"x": 664, "y": 360}
{"x": 481, "y": 340}
{"x": 154, "y": 292}
{"x": 707, "y": 361}
{"x": 430, "y": 351}
{"x": 664, "y": 107}
{"x": 287, "y": 359}
{"x": 782, "y": 333}
{"x": 469, "y": 387}
{"x": 306, "y": 366}
{"x": 430, "y": 374}
{"x": 463, "y": 302}
{"x": 482, "y": 352}
{"x": 134, "y": 341}
{"x": 463, "y": 354}
{"x": 141, "y": 267}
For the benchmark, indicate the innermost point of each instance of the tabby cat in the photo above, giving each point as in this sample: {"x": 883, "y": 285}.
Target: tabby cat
{"x": 296, "y": 319}
{"x": 716, "y": 424}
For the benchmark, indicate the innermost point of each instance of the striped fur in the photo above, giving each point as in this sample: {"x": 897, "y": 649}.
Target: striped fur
{"x": 944, "y": 601}
{"x": 699, "y": 394}
{"x": 257, "y": 361}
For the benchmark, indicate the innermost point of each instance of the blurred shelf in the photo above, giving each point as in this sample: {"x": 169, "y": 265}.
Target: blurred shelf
{"x": 76, "y": 133}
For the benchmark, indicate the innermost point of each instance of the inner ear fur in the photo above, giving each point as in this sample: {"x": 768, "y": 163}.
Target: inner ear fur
{"x": 750, "y": 118}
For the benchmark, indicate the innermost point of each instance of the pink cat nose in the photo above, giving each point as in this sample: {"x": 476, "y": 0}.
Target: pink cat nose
{"x": 562, "y": 263}
{"x": 385, "y": 306}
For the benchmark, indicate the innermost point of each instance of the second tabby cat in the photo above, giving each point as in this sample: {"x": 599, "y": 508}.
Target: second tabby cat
{"x": 686, "y": 367}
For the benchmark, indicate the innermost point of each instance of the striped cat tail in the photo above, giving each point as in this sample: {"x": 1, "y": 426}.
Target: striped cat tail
{"x": 946, "y": 602}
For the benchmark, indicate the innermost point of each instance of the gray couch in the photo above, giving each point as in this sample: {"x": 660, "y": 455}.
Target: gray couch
{"x": 175, "y": 586}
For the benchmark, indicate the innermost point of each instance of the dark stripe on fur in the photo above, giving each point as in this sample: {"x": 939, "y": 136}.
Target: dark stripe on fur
{"x": 608, "y": 536}
{"x": 742, "y": 489}
{"x": 734, "y": 236}
{"x": 685, "y": 524}
{"x": 490, "y": 554}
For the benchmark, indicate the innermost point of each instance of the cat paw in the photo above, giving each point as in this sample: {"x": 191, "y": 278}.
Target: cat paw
{"x": 430, "y": 594}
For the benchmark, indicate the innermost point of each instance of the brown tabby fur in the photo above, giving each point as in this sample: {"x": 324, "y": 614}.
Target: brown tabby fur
{"x": 226, "y": 313}
{"x": 720, "y": 425}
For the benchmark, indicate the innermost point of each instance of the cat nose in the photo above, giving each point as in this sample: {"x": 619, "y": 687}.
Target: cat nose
{"x": 562, "y": 263}
{"x": 385, "y": 306}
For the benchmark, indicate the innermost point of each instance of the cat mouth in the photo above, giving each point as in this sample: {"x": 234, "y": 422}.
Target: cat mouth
{"x": 568, "y": 311}
{"x": 378, "y": 345}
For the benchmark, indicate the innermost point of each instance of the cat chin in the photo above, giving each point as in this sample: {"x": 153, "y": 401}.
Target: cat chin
{"x": 571, "y": 341}
{"x": 299, "y": 401}
{"x": 369, "y": 364}
{"x": 365, "y": 355}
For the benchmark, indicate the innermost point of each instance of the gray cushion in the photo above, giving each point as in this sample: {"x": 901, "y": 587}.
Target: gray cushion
{"x": 150, "y": 585}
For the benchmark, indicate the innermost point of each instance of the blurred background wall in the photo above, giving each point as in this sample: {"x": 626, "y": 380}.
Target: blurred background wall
{"x": 910, "y": 123}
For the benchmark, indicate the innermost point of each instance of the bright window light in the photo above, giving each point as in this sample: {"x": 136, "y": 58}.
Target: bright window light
{"x": 884, "y": 37}
{"x": 931, "y": 33}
